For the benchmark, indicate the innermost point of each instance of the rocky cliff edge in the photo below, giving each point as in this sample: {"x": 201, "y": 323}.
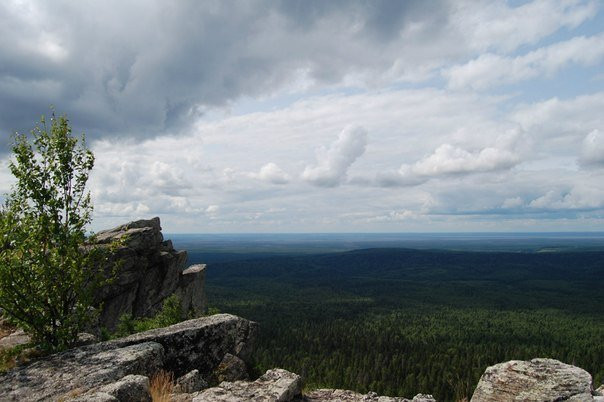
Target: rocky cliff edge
{"x": 149, "y": 270}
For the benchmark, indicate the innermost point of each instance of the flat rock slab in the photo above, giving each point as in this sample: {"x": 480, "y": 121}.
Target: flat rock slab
{"x": 199, "y": 344}
{"x": 78, "y": 370}
{"x": 275, "y": 385}
{"x": 535, "y": 380}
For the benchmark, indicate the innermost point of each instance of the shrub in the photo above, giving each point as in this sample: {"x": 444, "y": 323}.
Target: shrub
{"x": 170, "y": 314}
{"x": 46, "y": 281}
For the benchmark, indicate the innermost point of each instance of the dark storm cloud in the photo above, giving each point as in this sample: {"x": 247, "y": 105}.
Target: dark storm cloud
{"x": 140, "y": 69}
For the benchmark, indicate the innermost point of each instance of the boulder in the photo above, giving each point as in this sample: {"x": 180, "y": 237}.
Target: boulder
{"x": 231, "y": 368}
{"x": 535, "y": 380}
{"x": 275, "y": 385}
{"x": 423, "y": 398}
{"x": 195, "y": 344}
{"x": 149, "y": 270}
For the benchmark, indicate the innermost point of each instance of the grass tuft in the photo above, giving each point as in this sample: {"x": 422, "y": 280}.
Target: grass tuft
{"x": 161, "y": 386}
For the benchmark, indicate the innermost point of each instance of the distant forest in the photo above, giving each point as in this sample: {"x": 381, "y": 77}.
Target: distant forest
{"x": 401, "y": 322}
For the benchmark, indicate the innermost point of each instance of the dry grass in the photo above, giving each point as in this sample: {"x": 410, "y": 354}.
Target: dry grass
{"x": 161, "y": 386}
{"x": 74, "y": 393}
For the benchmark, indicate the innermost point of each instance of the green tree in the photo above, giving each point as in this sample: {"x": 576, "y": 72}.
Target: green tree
{"x": 48, "y": 274}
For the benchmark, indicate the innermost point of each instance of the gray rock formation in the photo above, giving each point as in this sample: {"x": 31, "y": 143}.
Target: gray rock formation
{"x": 599, "y": 394}
{"x": 275, "y": 385}
{"x": 80, "y": 370}
{"x": 535, "y": 380}
{"x": 94, "y": 397}
{"x": 190, "y": 382}
{"x": 231, "y": 368}
{"x": 343, "y": 395}
{"x": 195, "y": 344}
{"x": 134, "y": 388}
{"x": 200, "y": 343}
{"x": 149, "y": 270}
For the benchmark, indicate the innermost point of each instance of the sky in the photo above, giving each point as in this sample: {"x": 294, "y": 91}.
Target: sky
{"x": 320, "y": 116}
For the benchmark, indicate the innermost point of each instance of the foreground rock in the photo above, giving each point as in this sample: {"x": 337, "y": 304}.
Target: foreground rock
{"x": 275, "y": 385}
{"x": 280, "y": 385}
{"x": 149, "y": 270}
{"x": 535, "y": 380}
{"x": 199, "y": 344}
{"x": 342, "y": 395}
{"x": 79, "y": 370}
{"x": 130, "y": 388}
{"x": 231, "y": 368}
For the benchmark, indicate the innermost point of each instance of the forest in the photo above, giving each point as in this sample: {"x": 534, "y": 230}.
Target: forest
{"x": 402, "y": 321}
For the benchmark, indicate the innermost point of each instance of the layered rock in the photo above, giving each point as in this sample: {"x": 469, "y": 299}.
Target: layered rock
{"x": 198, "y": 344}
{"x": 535, "y": 380}
{"x": 149, "y": 270}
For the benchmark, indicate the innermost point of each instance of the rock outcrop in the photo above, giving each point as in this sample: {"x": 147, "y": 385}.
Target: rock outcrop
{"x": 133, "y": 388}
{"x": 535, "y": 380}
{"x": 275, "y": 385}
{"x": 231, "y": 368}
{"x": 149, "y": 270}
{"x": 198, "y": 344}
{"x": 343, "y": 395}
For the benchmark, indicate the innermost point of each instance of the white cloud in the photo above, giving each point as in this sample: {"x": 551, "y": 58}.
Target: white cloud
{"x": 592, "y": 150}
{"x": 333, "y": 163}
{"x": 557, "y": 128}
{"x": 226, "y": 142}
{"x": 580, "y": 196}
{"x": 514, "y": 202}
{"x": 562, "y": 117}
{"x": 272, "y": 174}
{"x": 448, "y": 159}
{"x": 77, "y": 57}
{"x": 167, "y": 177}
{"x": 489, "y": 69}
{"x": 496, "y": 25}
{"x": 212, "y": 209}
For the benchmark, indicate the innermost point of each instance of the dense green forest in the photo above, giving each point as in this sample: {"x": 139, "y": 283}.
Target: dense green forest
{"x": 400, "y": 321}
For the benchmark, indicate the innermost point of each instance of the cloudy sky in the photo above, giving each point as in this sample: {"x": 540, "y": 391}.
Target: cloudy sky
{"x": 321, "y": 116}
